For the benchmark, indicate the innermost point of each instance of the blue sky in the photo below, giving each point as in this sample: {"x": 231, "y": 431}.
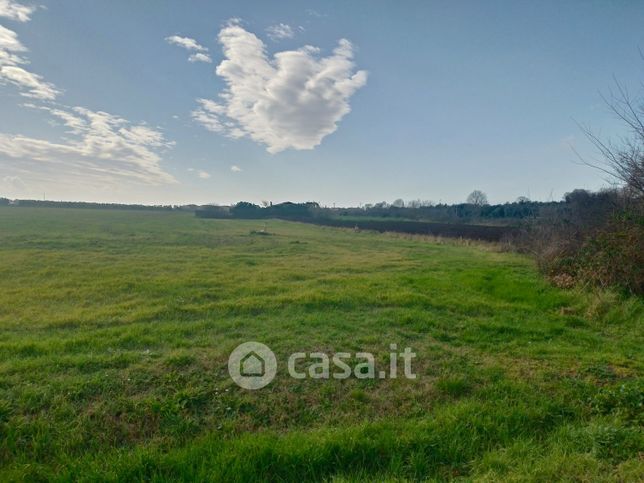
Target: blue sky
{"x": 187, "y": 102}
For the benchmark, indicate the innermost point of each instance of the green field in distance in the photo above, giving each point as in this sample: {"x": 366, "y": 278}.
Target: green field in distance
{"x": 116, "y": 326}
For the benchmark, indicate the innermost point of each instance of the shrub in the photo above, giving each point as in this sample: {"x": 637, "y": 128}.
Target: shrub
{"x": 598, "y": 239}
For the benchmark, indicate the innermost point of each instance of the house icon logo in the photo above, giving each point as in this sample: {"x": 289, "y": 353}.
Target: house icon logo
{"x": 252, "y": 365}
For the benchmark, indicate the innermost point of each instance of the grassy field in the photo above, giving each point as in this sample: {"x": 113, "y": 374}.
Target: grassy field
{"x": 116, "y": 329}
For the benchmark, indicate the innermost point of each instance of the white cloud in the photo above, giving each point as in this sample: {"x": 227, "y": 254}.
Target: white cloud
{"x": 199, "y": 57}
{"x": 34, "y": 83}
{"x": 15, "y": 11}
{"x": 11, "y": 71}
{"x": 235, "y": 169}
{"x": 13, "y": 183}
{"x": 99, "y": 149}
{"x": 292, "y": 100}
{"x": 102, "y": 147}
{"x": 9, "y": 43}
{"x": 315, "y": 13}
{"x": 203, "y": 174}
{"x": 186, "y": 42}
{"x": 208, "y": 115}
{"x": 280, "y": 31}
{"x": 199, "y": 52}
{"x": 12, "y": 187}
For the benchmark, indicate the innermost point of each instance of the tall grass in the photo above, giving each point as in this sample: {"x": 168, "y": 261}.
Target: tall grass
{"x": 116, "y": 327}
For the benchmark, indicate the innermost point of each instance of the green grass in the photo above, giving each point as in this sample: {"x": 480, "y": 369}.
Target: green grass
{"x": 116, "y": 328}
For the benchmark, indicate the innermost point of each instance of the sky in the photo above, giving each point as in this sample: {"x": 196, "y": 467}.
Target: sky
{"x": 345, "y": 103}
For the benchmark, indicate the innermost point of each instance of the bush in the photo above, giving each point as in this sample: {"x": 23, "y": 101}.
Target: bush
{"x": 598, "y": 239}
{"x": 614, "y": 256}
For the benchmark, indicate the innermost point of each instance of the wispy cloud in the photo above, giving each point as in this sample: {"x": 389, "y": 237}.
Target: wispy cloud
{"x": 15, "y": 11}
{"x": 12, "y": 186}
{"x": 235, "y": 169}
{"x": 203, "y": 174}
{"x": 98, "y": 146}
{"x": 200, "y": 53}
{"x": 9, "y": 45}
{"x": 208, "y": 115}
{"x": 11, "y": 62}
{"x": 292, "y": 100}
{"x": 280, "y": 31}
{"x": 200, "y": 57}
{"x": 314, "y": 13}
{"x": 186, "y": 42}
{"x": 34, "y": 84}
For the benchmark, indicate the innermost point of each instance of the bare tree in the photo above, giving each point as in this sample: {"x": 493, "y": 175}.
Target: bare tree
{"x": 624, "y": 160}
{"x": 478, "y": 198}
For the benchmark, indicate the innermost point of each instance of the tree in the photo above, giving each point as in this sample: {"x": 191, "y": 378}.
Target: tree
{"x": 522, "y": 199}
{"x": 399, "y": 203}
{"x": 477, "y": 198}
{"x": 623, "y": 161}
{"x": 244, "y": 209}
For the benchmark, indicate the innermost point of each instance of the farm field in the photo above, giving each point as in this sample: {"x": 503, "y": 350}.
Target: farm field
{"x": 116, "y": 327}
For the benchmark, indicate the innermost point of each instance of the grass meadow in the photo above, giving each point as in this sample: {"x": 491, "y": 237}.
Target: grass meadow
{"x": 116, "y": 327}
